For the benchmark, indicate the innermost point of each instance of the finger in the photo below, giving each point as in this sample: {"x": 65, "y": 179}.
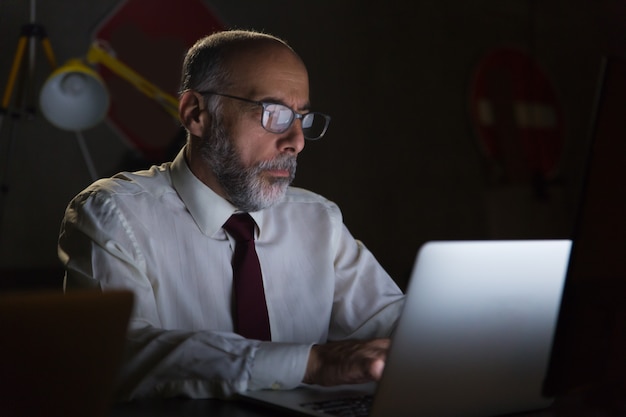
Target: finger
{"x": 376, "y": 369}
{"x": 379, "y": 345}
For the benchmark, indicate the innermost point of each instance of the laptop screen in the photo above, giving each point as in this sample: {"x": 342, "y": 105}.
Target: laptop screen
{"x": 590, "y": 340}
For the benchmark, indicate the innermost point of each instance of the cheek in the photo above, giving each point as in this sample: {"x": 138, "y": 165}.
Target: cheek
{"x": 251, "y": 146}
{"x": 252, "y": 142}
{"x": 255, "y": 149}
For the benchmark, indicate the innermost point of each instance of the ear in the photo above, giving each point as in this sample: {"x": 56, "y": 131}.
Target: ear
{"x": 192, "y": 112}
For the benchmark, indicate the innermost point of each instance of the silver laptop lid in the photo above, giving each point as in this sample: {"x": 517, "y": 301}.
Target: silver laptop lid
{"x": 475, "y": 336}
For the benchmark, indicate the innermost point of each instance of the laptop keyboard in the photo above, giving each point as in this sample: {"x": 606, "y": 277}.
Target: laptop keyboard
{"x": 344, "y": 407}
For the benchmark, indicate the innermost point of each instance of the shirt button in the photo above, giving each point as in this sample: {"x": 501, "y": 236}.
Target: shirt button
{"x": 276, "y": 386}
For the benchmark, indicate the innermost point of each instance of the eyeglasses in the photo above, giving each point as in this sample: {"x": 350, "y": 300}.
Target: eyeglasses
{"x": 277, "y": 118}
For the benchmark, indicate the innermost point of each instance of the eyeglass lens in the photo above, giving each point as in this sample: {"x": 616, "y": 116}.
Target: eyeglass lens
{"x": 277, "y": 118}
{"x": 314, "y": 125}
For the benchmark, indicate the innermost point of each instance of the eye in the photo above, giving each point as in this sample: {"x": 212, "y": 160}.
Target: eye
{"x": 277, "y": 118}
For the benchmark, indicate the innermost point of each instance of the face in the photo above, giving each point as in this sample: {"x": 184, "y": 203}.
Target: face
{"x": 252, "y": 166}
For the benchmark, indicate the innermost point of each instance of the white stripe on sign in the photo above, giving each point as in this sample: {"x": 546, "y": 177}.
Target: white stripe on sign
{"x": 485, "y": 112}
{"x": 527, "y": 115}
{"x": 534, "y": 115}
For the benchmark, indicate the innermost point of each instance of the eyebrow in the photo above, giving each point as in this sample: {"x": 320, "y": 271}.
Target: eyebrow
{"x": 306, "y": 107}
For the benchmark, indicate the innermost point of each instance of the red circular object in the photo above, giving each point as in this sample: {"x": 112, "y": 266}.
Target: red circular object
{"x": 516, "y": 114}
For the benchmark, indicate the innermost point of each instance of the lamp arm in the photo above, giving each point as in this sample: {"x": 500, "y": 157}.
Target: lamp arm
{"x": 97, "y": 55}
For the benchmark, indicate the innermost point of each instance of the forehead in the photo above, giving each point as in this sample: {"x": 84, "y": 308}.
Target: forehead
{"x": 269, "y": 69}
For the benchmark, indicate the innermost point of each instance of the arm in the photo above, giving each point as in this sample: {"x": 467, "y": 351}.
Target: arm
{"x": 366, "y": 309}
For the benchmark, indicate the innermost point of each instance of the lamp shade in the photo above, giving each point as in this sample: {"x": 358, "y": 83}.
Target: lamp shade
{"x": 74, "y": 97}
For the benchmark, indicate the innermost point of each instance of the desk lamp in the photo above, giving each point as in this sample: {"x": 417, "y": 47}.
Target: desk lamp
{"x": 75, "y": 97}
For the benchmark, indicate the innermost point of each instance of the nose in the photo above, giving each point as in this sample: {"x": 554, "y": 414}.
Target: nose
{"x": 293, "y": 139}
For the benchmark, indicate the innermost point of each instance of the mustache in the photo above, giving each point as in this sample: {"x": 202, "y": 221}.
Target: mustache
{"x": 286, "y": 162}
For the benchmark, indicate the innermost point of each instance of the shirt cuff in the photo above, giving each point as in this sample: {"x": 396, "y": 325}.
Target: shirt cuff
{"x": 279, "y": 366}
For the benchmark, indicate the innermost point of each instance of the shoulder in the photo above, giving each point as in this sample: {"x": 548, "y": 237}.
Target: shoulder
{"x": 296, "y": 195}
{"x": 305, "y": 213}
{"x": 147, "y": 184}
{"x": 309, "y": 203}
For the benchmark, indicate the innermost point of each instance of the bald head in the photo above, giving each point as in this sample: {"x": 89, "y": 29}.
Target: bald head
{"x": 211, "y": 62}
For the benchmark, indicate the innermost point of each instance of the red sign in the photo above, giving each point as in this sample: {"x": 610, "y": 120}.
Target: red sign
{"x": 151, "y": 37}
{"x": 516, "y": 115}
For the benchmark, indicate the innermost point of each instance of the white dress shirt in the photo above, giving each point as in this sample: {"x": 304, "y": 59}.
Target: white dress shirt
{"x": 159, "y": 233}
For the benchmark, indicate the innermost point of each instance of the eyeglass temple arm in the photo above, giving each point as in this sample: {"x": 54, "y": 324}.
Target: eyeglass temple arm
{"x": 98, "y": 55}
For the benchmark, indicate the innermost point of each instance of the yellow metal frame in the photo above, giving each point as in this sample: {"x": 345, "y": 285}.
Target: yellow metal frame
{"x": 29, "y": 31}
{"x": 98, "y": 55}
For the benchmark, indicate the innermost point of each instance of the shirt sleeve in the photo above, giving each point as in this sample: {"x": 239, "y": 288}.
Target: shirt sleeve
{"x": 99, "y": 251}
{"x": 367, "y": 301}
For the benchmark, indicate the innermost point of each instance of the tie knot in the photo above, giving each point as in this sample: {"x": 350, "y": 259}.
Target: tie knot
{"x": 241, "y": 227}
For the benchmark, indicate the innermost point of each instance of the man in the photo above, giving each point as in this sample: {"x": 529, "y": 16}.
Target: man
{"x": 161, "y": 233}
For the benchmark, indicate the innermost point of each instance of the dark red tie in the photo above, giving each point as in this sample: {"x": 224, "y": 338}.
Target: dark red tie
{"x": 251, "y": 319}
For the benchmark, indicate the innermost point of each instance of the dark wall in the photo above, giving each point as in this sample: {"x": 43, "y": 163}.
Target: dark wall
{"x": 402, "y": 157}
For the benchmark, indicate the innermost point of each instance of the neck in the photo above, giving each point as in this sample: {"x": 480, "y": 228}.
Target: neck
{"x": 202, "y": 170}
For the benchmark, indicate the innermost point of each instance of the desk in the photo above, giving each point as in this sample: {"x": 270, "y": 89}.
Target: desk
{"x": 216, "y": 408}
{"x": 567, "y": 407}
{"x": 221, "y": 408}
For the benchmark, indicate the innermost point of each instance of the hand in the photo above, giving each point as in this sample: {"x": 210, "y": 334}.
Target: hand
{"x": 347, "y": 362}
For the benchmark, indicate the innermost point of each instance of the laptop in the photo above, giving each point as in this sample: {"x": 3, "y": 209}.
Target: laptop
{"x": 474, "y": 338}
{"x": 60, "y": 353}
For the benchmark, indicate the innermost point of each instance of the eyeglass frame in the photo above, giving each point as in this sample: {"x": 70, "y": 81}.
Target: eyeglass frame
{"x": 295, "y": 114}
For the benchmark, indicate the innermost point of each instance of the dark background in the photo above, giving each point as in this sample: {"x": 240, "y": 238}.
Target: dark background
{"x": 402, "y": 157}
